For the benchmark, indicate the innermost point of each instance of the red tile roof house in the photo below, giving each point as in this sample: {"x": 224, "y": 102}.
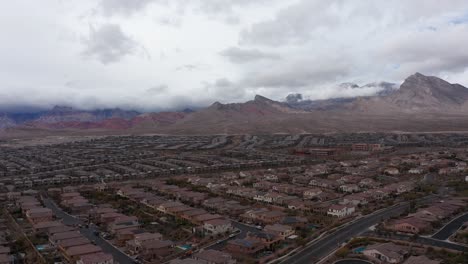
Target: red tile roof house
{"x": 386, "y": 252}
{"x": 297, "y": 204}
{"x": 58, "y": 237}
{"x": 270, "y": 217}
{"x": 72, "y": 242}
{"x": 37, "y": 215}
{"x": 96, "y": 258}
{"x": 125, "y": 234}
{"x": 108, "y": 218}
{"x": 267, "y": 239}
{"x": 97, "y": 212}
{"x": 356, "y": 199}
{"x": 211, "y": 256}
{"x": 163, "y": 208}
{"x": 134, "y": 245}
{"x": 155, "y": 202}
{"x": 340, "y": 211}
{"x": 194, "y": 197}
{"x": 244, "y": 246}
{"x": 80, "y": 207}
{"x": 349, "y": 188}
{"x": 282, "y": 231}
{"x": 235, "y": 209}
{"x": 200, "y": 219}
{"x": 379, "y": 194}
{"x": 324, "y": 183}
{"x": 311, "y": 193}
{"x": 26, "y": 205}
{"x": 217, "y": 227}
{"x": 178, "y": 210}
{"x": 73, "y": 254}
{"x": 191, "y": 214}
{"x": 59, "y": 229}
{"x": 44, "y": 226}
{"x": 213, "y": 202}
{"x": 156, "y": 250}
{"x": 412, "y": 224}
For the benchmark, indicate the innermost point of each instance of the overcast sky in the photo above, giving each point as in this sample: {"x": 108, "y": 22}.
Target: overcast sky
{"x": 170, "y": 54}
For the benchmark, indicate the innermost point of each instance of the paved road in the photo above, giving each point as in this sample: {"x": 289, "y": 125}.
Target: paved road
{"x": 452, "y": 227}
{"x": 119, "y": 257}
{"x": 427, "y": 241}
{"x": 322, "y": 247}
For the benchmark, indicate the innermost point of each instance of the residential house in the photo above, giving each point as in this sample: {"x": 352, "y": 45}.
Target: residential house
{"x": 37, "y": 215}
{"x": 217, "y": 226}
{"x": 411, "y": 224}
{"x": 355, "y": 199}
{"x": 156, "y": 250}
{"x": 134, "y": 245}
{"x": 244, "y": 246}
{"x": 339, "y": 210}
{"x": 282, "y": 231}
{"x": 311, "y": 193}
{"x": 211, "y": 256}
{"x": 386, "y": 252}
{"x": 96, "y": 258}
{"x": 73, "y": 254}
{"x": 349, "y": 188}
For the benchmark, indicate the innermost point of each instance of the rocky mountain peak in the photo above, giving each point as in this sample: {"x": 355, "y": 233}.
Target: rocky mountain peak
{"x": 421, "y": 91}
{"x": 61, "y": 109}
{"x": 260, "y": 98}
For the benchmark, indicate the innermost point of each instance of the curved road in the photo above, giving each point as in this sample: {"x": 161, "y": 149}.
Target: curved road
{"x": 425, "y": 241}
{"x": 450, "y": 228}
{"x": 323, "y": 247}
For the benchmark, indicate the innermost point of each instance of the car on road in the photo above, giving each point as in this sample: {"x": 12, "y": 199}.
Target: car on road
{"x": 232, "y": 235}
{"x": 259, "y": 227}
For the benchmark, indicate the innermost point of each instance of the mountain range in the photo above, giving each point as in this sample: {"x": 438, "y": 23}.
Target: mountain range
{"x": 422, "y": 103}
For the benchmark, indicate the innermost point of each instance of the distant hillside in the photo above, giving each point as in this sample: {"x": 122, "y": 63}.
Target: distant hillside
{"x": 422, "y": 103}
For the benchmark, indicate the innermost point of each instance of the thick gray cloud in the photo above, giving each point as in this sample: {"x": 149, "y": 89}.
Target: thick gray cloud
{"x": 226, "y": 90}
{"x": 238, "y": 55}
{"x": 301, "y": 73}
{"x": 158, "y": 89}
{"x": 293, "y": 24}
{"x": 122, "y": 7}
{"x": 108, "y": 44}
{"x": 430, "y": 51}
{"x": 220, "y": 50}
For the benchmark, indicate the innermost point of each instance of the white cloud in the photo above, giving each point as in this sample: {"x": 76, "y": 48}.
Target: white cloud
{"x": 109, "y": 44}
{"x": 219, "y": 50}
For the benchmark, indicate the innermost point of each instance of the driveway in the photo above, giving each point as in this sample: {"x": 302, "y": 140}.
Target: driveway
{"x": 243, "y": 228}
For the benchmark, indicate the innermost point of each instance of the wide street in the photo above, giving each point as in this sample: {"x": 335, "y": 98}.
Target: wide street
{"x": 323, "y": 247}
{"x": 450, "y": 228}
{"x": 425, "y": 241}
{"x": 89, "y": 232}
